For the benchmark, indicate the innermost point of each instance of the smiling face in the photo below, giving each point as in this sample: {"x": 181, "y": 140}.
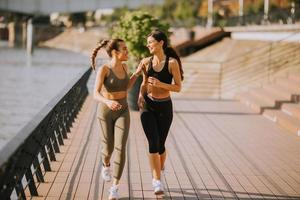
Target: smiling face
{"x": 122, "y": 52}
{"x": 154, "y": 45}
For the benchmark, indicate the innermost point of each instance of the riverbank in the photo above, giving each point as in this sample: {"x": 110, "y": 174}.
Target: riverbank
{"x": 78, "y": 40}
{"x": 28, "y": 83}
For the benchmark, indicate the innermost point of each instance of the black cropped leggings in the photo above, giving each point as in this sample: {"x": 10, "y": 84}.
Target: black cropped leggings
{"x": 156, "y": 118}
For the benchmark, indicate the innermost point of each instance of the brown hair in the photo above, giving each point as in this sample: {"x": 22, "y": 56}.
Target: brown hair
{"x": 169, "y": 51}
{"x": 109, "y": 45}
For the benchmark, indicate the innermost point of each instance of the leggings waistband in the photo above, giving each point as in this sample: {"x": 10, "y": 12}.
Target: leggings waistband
{"x": 158, "y": 99}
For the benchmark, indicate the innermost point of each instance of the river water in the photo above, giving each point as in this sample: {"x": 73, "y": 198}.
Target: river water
{"x": 28, "y": 83}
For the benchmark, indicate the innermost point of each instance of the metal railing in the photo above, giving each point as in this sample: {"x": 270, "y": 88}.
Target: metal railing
{"x": 276, "y": 16}
{"x": 26, "y": 158}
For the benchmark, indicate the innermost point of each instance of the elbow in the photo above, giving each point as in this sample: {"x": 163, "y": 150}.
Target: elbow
{"x": 95, "y": 94}
{"x": 178, "y": 89}
{"x": 129, "y": 86}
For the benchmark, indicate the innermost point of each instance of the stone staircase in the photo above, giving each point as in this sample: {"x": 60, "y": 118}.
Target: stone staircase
{"x": 202, "y": 81}
{"x": 278, "y": 101}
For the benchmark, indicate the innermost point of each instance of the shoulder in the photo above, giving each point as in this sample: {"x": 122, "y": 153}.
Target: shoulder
{"x": 124, "y": 65}
{"x": 103, "y": 71}
{"x": 173, "y": 63}
{"x": 146, "y": 61}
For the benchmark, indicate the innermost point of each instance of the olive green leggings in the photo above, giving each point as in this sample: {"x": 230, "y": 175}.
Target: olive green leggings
{"x": 114, "y": 134}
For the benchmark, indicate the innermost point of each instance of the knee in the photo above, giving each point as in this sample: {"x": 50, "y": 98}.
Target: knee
{"x": 162, "y": 150}
{"x": 107, "y": 150}
{"x": 154, "y": 147}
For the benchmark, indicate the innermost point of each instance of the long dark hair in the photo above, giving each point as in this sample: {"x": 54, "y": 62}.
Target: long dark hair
{"x": 169, "y": 51}
{"x": 109, "y": 45}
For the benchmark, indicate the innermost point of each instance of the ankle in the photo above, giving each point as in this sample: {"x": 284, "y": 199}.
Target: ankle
{"x": 105, "y": 165}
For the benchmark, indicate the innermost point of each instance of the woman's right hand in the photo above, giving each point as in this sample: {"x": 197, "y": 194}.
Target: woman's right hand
{"x": 141, "y": 102}
{"x": 113, "y": 105}
{"x": 140, "y": 68}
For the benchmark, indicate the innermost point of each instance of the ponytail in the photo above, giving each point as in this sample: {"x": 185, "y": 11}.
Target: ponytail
{"x": 109, "y": 45}
{"x": 95, "y": 52}
{"x": 170, "y": 52}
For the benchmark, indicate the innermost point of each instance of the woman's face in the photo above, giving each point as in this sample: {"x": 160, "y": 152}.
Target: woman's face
{"x": 122, "y": 53}
{"x": 153, "y": 45}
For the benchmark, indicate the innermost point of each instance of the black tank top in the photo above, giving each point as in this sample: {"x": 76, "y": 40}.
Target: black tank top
{"x": 163, "y": 75}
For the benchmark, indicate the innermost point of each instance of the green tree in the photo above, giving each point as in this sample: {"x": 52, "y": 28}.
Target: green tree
{"x": 133, "y": 28}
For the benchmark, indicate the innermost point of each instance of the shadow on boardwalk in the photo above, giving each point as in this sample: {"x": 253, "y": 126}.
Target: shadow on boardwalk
{"x": 216, "y": 150}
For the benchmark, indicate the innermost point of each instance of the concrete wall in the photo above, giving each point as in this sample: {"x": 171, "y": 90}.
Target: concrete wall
{"x": 45, "y": 7}
{"x": 267, "y": 36}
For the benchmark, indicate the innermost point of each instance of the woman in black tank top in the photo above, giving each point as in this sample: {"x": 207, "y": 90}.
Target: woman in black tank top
{"x": 154, "y": 100}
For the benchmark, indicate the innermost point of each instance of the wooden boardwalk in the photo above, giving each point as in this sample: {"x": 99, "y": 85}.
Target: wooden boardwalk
{"x": 216, "y": 150}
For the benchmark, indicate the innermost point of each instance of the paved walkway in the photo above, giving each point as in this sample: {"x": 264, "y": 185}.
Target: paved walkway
{"x": 216, "y": 150}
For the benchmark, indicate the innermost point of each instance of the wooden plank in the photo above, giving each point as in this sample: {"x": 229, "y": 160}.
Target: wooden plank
{"x": 215, "y": 150}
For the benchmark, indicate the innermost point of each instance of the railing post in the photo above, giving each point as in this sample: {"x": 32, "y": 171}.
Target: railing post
{"x": 20, "y": 190}
{"x": 46, "y": 162}
{"x": 31, "y": 183}
{"x": 38, "y": 170}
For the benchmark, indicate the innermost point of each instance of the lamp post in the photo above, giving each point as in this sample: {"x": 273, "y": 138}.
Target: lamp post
{"x": 241, "y": 12}
{"x": 29, "y": 44}
{"x": 293, "y": 12}
{"x": 210, "y": 14}
{"x": 266, "y": 11}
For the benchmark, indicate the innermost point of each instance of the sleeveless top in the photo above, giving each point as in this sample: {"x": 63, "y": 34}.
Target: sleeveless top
{"x": 114, "y": 84}
{"x": 163, "y": 75}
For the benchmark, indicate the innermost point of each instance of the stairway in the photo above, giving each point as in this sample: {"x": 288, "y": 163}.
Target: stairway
{"x": 278, "y": 101}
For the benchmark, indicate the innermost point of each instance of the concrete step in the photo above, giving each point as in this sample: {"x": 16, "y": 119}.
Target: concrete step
{"x": 295, "y": 76}
{"x": 278, "y": 89}
{"x": 289, "y": 84}
{"x": 270, "y": 96}
{"x": 256, "y": 103}
{"x": 286, "y": 121}
{"x": 291, "y": 109}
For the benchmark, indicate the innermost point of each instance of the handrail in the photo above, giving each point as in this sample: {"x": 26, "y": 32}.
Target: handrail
{"x": 261, "y": 47}
{"x": 284, "y": 15}
{"x": 39, "y": 140}
{"x": 255, "y": 65}
{"x": 258, "y": 68}
{"x": 261, "y": 54}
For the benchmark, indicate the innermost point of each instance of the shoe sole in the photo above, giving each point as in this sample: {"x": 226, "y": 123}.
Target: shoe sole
{"x": 159, "y": 192}
{"x": 106, "y": 179}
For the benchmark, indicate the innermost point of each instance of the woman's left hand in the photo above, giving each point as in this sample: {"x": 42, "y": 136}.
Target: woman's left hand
{"x": 154, "y": 82}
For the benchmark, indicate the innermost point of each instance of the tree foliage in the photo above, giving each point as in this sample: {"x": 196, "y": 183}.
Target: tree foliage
{"x": 134, "y": 27}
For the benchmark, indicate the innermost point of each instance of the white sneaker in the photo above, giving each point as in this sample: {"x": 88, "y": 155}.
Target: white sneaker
{"x": 162, "y": 172}
{"x": 105, "y": 172}
{"x": 158, "y": 187}
{"x": 113, "y": 193}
